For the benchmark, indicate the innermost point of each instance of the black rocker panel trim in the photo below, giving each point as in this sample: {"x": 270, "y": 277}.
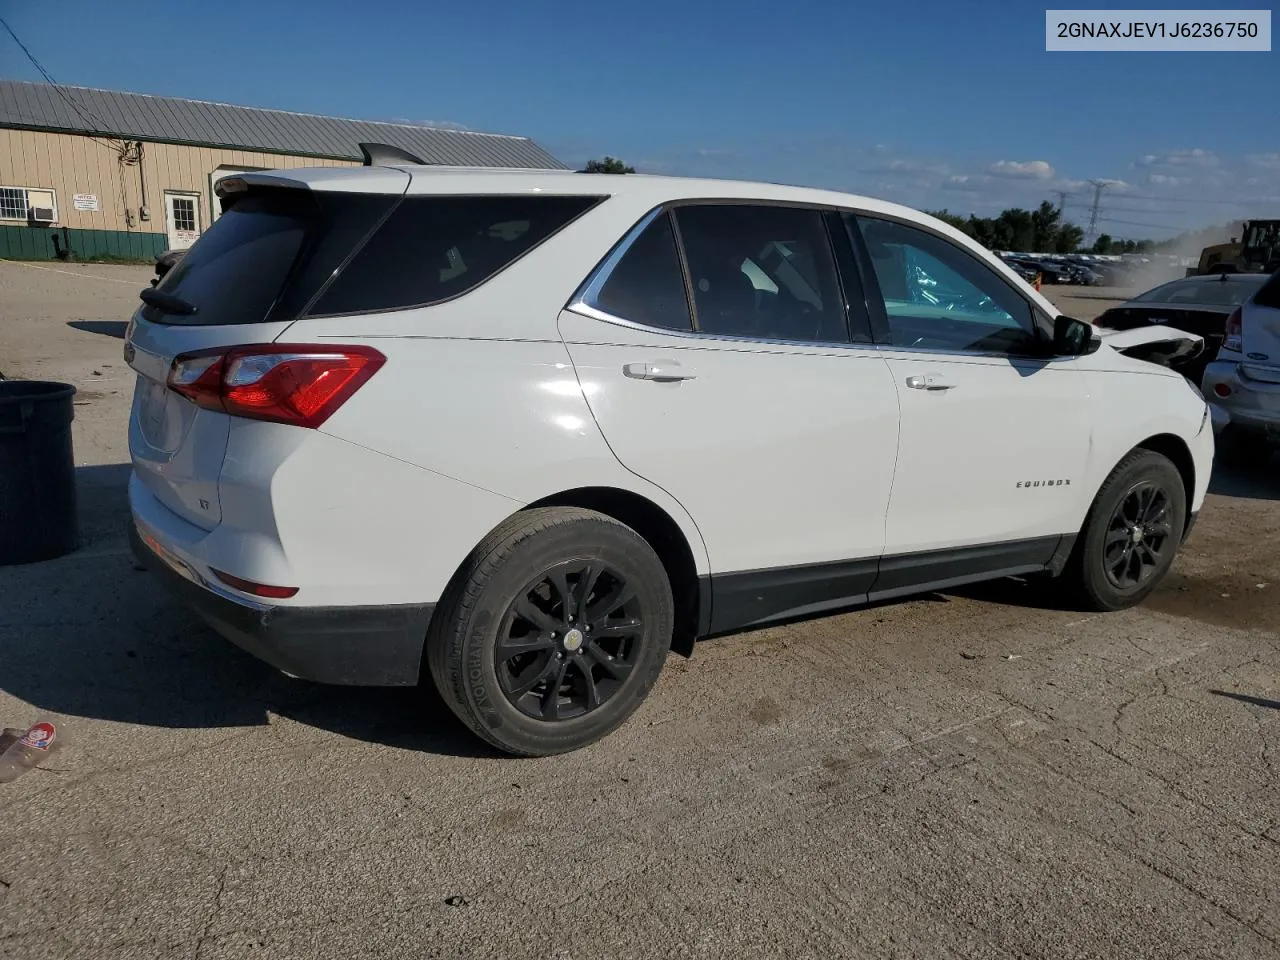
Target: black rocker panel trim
{"x": 933, "y": 568}
{"x": 756, "y": 597}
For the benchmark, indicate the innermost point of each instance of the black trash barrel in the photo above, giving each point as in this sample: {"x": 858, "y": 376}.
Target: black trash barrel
{"x": 37, "y": 471}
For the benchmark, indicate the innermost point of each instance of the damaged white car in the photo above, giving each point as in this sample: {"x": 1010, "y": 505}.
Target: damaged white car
{"x": 517, "y": 433}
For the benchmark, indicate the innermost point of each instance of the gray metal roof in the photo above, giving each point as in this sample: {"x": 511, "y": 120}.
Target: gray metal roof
{"x": 138, "y": 116}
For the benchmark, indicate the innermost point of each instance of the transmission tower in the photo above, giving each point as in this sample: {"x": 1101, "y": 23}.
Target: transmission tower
{"x": 1098, "y": 187}
{"x": 1062, "y": 199}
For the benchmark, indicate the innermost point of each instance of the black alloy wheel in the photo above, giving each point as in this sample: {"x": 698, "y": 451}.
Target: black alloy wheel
{"x": 569, "y": 641}
{"x": 1137, "y": 535}
{"x": 1130, "y": 536}
{"x": 553, "y": 631}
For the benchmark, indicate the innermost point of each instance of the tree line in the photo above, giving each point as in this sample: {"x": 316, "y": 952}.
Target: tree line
{"x": 1042, "y": 230}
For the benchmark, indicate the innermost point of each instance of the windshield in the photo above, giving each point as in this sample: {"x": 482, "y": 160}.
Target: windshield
{"x": 1262, "y": 234}
{"x": 1204, "y": 291}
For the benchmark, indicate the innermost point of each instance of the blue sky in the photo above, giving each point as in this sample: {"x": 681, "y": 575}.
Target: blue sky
{"x": 928, "y": 103}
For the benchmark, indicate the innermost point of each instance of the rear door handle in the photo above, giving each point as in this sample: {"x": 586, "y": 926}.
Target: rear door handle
{"x": 930, "y": 381}
{"x": 663, "y": 371}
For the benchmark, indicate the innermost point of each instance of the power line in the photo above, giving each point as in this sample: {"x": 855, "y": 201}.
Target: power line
{"x": 1140, "y": 196}
{"x": 96, "y": 125}
{"x": 1139, "y": 223}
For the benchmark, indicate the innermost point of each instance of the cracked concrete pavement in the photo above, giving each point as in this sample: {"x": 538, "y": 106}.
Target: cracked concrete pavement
{"x": 976, "y": 774}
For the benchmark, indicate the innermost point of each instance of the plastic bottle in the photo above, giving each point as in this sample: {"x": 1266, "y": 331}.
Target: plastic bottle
{"x": 26, "y": 749}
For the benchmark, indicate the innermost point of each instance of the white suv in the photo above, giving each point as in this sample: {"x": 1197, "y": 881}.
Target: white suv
{"x": 526, "y": 430}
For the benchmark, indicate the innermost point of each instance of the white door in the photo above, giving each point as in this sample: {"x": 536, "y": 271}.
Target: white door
{"x": 994, "y": 442}
{"x": 776, "y": 434}
{"x": 182, "y": 219}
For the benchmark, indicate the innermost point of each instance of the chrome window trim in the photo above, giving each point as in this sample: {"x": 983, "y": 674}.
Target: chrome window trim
{"x": 594, "y": 313}
{"x": 591, "y": 287}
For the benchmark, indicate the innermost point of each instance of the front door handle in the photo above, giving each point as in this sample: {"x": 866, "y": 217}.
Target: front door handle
{"x": 663, "y": 371}
{"x": 930, "y": 381}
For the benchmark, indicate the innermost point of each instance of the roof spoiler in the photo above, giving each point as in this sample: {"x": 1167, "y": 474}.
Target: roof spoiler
{"x": 385, "y": 155}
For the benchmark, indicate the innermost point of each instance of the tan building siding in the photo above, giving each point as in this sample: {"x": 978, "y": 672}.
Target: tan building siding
{"x": 70, "y": 164}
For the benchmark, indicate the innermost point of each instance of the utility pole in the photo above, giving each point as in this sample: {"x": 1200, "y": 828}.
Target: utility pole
{"x": 1098, "y": 187}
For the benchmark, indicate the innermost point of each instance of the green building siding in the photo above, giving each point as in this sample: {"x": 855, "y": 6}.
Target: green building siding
{"x": 43, "y": 243}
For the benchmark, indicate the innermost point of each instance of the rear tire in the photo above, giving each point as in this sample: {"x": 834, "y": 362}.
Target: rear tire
{"x": 1131, "y": 534}
{"x": 553, "y": 631}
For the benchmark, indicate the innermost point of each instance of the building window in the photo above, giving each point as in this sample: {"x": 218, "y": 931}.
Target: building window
{"x": 22, "y": 203}
{"x": 13, "y": 203}
{"x": 184, "y": 214}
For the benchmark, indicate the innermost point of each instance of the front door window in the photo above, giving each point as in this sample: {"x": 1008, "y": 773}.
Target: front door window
{"x": 938, "y": 297}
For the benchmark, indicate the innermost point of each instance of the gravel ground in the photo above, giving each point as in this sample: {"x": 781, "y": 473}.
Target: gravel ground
{"x": 973, "y": 774}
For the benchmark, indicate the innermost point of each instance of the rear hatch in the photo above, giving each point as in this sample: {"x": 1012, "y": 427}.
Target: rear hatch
{"x": 1260, "y": 333}
{"x": 245, "y": 280}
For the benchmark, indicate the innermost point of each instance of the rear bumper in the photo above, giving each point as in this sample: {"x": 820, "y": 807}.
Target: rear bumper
{"x": 379, "y": 646}
{"x": 1250, "y": 404}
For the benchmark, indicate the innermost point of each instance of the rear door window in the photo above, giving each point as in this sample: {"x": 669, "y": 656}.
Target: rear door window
{"x": 435, "y": 248}
{"x": 764, "y": 272}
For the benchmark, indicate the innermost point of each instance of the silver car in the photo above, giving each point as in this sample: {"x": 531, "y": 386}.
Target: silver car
{"x": 1242, "y": 384}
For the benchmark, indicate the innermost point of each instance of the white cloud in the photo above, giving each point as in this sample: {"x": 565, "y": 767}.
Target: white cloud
{"x": 910, "y": 167}
{"x": 1021, "y": 169}
{"x": 965, "y": 183}
{"x": 1164, "y": 180}
{"x": 1179, "y": 158}
{"x": 1269, "y": 160}
{"x": 438, "y": 124}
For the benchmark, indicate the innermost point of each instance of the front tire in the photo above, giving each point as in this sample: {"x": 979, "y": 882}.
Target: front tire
{"x": 1131, "y": 534}
{"x": 553, "y": 632}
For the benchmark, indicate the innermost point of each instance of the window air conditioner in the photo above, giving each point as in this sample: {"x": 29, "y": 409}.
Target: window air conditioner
{"x": 41, "y": 214}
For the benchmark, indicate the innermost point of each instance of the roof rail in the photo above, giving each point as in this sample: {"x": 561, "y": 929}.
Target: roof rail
{"x": 384, "y": 155}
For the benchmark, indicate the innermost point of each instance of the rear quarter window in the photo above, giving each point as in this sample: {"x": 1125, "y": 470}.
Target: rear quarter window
{"x": 435, "y": 248}
{"x": 1269, "y": 294}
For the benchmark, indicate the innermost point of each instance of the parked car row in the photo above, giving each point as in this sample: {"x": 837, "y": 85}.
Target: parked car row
{"x": 1055, "y": 270}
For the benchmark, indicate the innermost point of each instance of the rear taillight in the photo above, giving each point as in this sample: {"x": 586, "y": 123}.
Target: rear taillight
{"x": 1233, "y": 340}
{"x": 254, "y": 588}
{"x": 298, "y": 384}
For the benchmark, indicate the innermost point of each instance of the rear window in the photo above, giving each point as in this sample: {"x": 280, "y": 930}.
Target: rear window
{"x": 1204, "y": 291}
{"x": 267, "y": 255}
{"x": 1269, "y": 295}
{"x": 435, "y": 248}
{"x": 236, "y": 270}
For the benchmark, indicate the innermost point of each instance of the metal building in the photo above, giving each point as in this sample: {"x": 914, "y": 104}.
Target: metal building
{"x": 91, "y": 173}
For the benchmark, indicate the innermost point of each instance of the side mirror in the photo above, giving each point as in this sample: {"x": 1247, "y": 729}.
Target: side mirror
{"x": 1073, "y": 338}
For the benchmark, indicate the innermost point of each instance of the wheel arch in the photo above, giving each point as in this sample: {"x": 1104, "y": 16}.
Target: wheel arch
{"x": 690, "y": 592}
{"x": 1174, "y": 448}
